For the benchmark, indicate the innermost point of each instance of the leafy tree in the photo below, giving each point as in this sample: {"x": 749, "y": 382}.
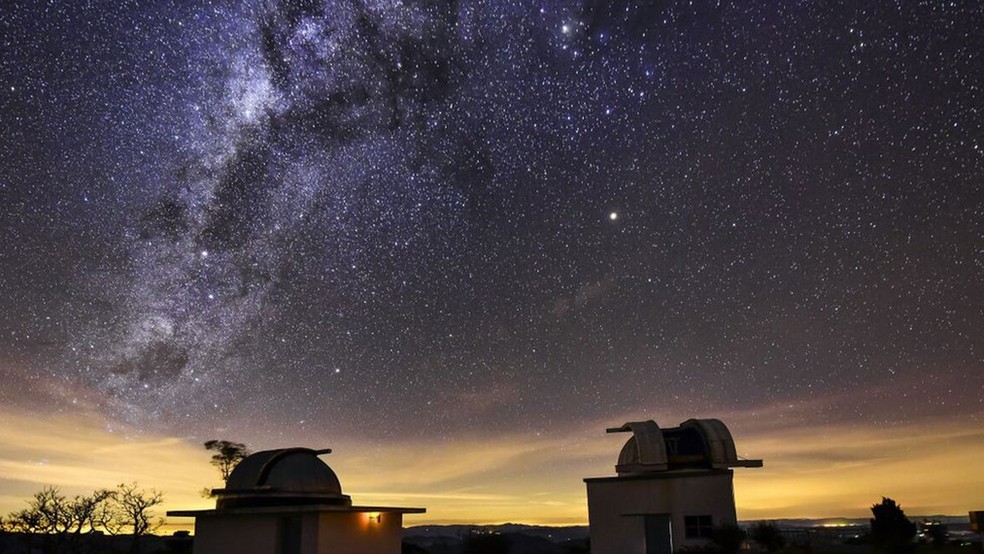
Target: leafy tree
{"x": 891, "y": 531}
{"x": 768, "y": 536}
{"x": 227, "y": 455}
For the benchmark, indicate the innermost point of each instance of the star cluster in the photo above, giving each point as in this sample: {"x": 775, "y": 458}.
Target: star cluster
{"x": 435, "y": 218}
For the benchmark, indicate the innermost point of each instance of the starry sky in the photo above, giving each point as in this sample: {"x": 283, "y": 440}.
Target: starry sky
{"x": 456, "y": 240}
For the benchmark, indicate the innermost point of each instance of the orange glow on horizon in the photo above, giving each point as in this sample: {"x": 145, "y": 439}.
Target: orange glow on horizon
{"x": 810, "y": 472}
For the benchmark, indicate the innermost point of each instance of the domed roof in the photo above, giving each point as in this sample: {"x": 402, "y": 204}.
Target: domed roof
{"x": 287, "y": 476}
{"x": 645, "y": 448}
{"x": 695, "y": 444}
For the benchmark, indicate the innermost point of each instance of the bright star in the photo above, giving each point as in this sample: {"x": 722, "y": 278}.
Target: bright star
{"x": 613, "y": 216}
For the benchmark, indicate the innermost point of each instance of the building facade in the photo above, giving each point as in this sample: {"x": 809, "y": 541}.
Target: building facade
{"x": 671, "y": 488}
{"x": 289, "y": 501}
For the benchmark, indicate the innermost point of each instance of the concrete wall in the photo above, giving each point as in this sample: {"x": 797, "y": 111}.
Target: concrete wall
{"x": 616, "y": 507}
{"x": 320, "y": 533}
{"x": 241, "y": 534}
{"x": 360, "y": 533}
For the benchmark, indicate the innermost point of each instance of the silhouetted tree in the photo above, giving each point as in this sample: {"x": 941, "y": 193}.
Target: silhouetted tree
{"x": 88, "y": 513}
{"x": 59, "y": 522}
{"x": 45, "y": 513}
{"x": 227, "y": 455}
{"x": 26, "y": 521}
{"x": 728, "y": 538}
{"x": 767, "y": 535}
{"x": 482, "y": 543}
{"x": 725, "y": 539}
{"x": 132, "y": 513}
{"x": 891, "y": 531}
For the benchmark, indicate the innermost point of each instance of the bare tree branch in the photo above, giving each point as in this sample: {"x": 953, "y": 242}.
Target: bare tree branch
{"x": 133, "y": 509}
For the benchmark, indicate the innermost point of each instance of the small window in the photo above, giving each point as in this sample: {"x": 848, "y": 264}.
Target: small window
{"x": 697, "y": 527}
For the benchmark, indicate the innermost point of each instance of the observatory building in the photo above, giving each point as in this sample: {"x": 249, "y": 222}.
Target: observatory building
{"x": 290, "y": 502}
{"x": 673, "y": 486}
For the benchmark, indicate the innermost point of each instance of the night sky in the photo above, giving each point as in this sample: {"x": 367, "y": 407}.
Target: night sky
{"x": 413, "y": 225}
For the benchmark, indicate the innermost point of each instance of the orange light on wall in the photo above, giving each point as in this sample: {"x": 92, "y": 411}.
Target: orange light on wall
{"x": 374, "y": 518}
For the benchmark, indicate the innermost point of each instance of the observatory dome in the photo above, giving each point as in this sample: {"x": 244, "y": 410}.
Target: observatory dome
{"x": 290, "y": 476}
{"x": 694, "y": 444}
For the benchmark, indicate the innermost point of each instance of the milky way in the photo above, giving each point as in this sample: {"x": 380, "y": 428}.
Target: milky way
{"x": 433, "y": 216}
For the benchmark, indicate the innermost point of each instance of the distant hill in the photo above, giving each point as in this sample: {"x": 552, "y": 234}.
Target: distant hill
{"x": 952, "y": 521}
{"x": 553, "y": 534}
{"x": 448, "y": 534}
{"x": 522, "y": 539}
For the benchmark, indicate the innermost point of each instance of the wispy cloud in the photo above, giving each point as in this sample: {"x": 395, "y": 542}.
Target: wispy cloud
{"x": 816, "y": 470}
{"x": 80, "y": 453}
